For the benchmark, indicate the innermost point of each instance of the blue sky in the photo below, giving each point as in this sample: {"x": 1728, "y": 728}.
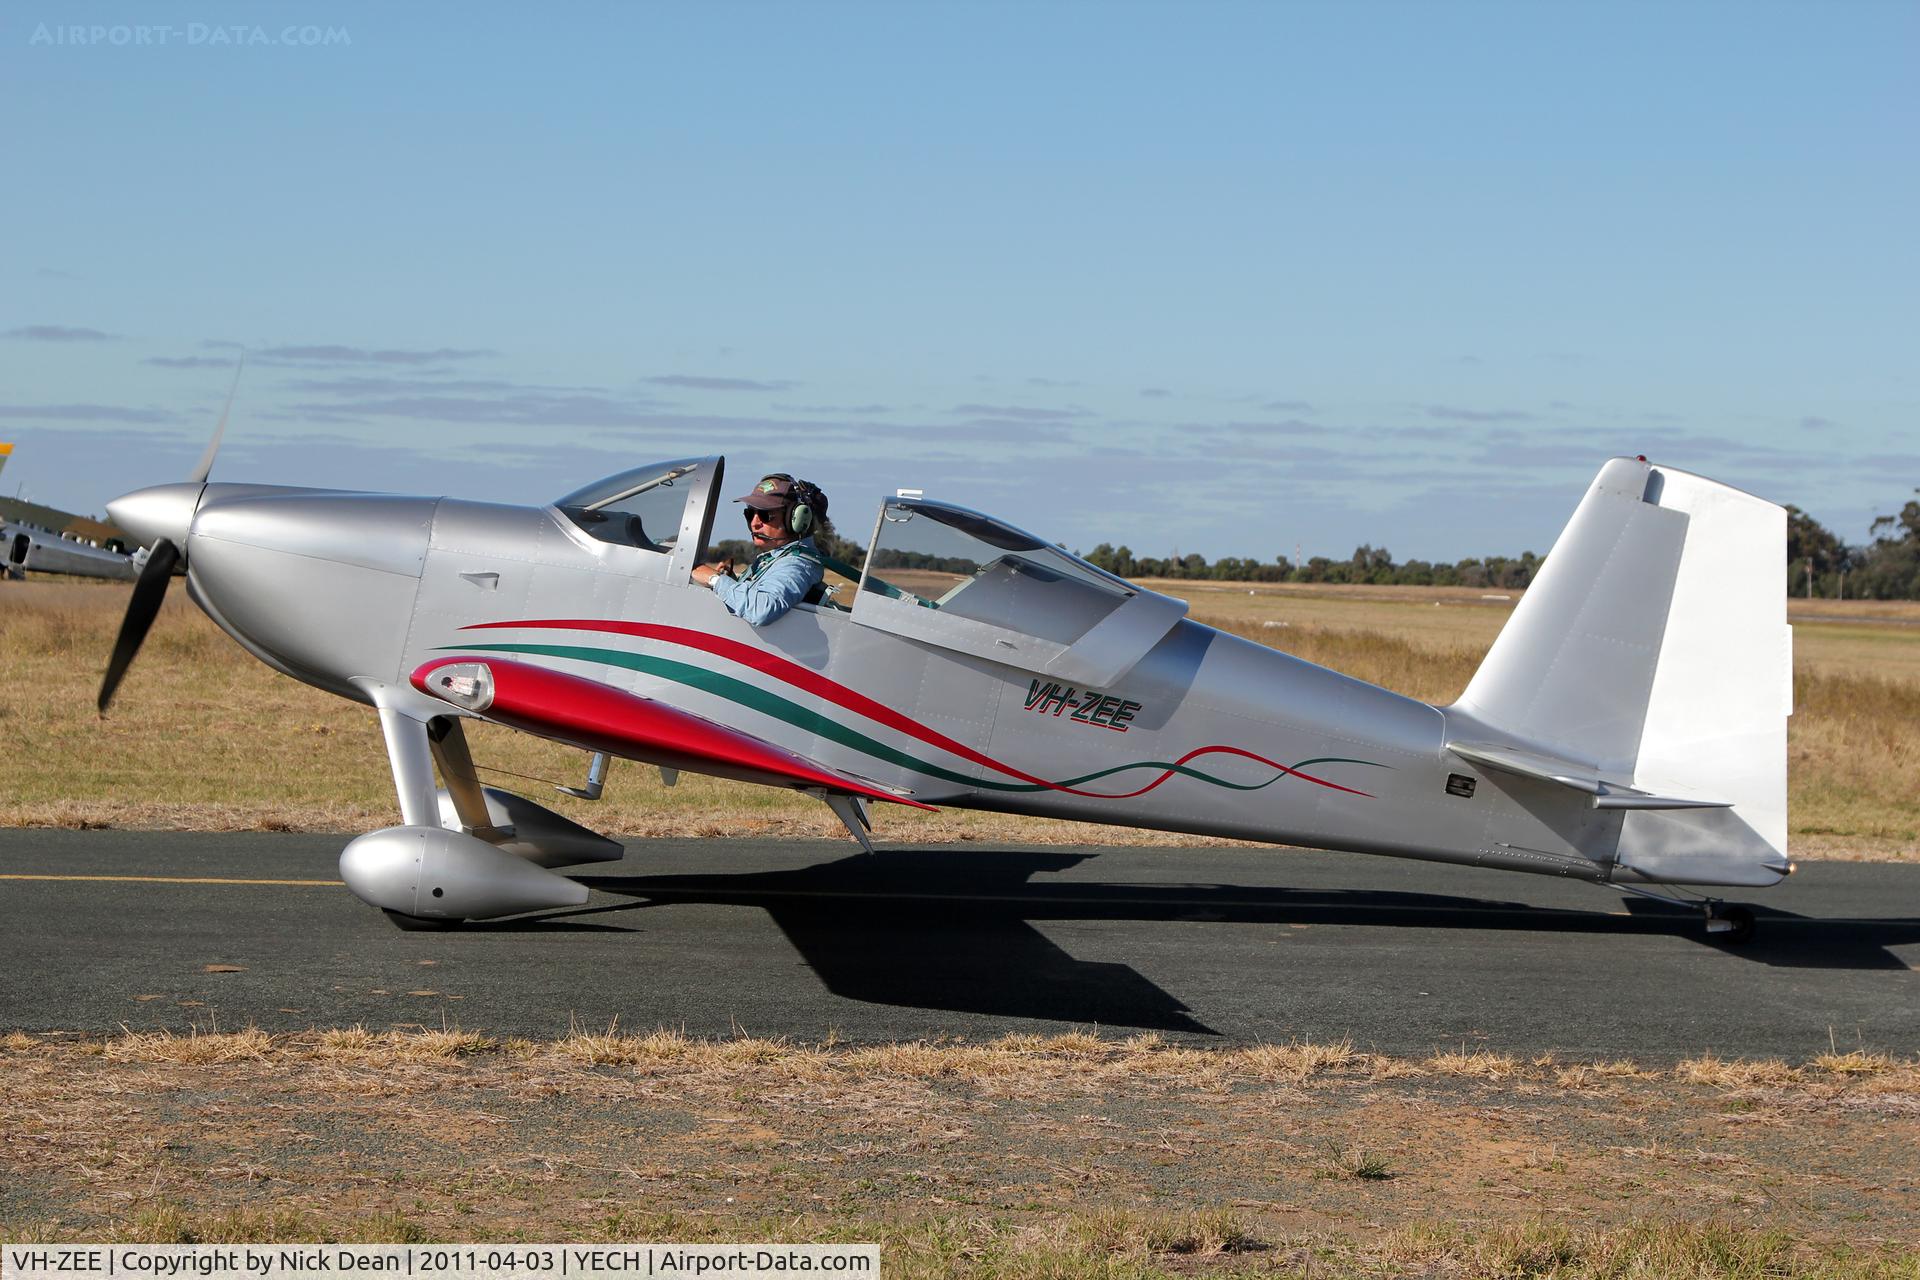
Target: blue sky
{"x": 1224, "y": 278}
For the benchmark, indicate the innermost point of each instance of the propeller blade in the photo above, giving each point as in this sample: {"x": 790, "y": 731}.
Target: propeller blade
{"x": 201, "y": 472}
{"x": 148, "y": 592}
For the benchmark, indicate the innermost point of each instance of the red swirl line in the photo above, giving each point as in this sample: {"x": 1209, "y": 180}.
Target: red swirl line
{"x": 1204, "y": 751}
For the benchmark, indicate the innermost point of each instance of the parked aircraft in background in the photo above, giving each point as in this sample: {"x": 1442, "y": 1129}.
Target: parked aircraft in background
{"x": 1628, "y": 727}
{"x": 45, "y": 540}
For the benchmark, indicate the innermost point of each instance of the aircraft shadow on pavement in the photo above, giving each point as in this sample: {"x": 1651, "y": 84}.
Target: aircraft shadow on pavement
{"x": 954, "y": 929}
{"x": 931, "y": 931}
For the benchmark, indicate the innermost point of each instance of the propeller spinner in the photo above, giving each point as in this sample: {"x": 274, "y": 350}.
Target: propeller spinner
{"x": 160, "y": 517}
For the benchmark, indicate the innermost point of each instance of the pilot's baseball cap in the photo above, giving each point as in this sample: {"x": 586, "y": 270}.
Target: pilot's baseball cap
{"x": 775, "y": 493}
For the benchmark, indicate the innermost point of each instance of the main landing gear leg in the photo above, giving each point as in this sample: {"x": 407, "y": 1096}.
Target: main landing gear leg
{"x": 410, "y": 753}
{"x": 411, "y": 757}
{"x": 1726, "y": 922}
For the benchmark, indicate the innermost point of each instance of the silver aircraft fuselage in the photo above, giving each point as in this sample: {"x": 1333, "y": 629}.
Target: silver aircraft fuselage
{"x": 26, "y": 548}
{"x": 1146, "y": 719}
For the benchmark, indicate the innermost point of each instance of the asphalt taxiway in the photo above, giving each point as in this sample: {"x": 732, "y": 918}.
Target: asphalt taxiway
{"x": 810, "y": 939}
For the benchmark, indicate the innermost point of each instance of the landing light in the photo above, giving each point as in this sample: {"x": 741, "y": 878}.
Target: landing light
{"x": 465, "y": 684}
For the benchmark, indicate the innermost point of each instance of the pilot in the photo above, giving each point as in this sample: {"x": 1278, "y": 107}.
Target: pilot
{"x": 783, "y": 515}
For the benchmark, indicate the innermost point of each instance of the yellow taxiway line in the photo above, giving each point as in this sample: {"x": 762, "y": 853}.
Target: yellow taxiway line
{"x": 172, "y": 880}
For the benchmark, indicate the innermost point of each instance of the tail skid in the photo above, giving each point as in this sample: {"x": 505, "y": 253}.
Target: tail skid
{"x": 1650, "y": 668}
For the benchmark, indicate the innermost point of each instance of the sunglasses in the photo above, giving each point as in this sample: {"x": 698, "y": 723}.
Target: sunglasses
{"x": 776, "y": 516}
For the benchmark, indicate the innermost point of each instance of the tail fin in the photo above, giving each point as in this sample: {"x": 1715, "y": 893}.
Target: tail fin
{"x": 1650, "y": 665}
{"x": 6, "y": 451}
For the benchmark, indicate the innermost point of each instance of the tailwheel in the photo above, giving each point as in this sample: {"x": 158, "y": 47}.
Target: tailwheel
{"x": 1729, "y": 924}
{"x": 420, "y": 924}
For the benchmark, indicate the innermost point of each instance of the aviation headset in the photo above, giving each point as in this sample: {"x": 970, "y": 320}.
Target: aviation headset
{"x": 800, "y": 510}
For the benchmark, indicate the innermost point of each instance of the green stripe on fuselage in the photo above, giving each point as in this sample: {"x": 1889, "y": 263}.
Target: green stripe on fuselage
{"x": 772, "y": 704}
{"x": 747, "y": 695}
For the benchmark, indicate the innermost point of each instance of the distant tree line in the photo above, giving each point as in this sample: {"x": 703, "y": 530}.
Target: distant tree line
{"x": 1368, "y": 565}
{"x": 1887, "y": 568}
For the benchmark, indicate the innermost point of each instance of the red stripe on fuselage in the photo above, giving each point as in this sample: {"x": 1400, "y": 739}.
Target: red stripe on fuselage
{"x": 781, "y": 669}
{"x": 554, "y": 704}
{"x": 853, "y": 700}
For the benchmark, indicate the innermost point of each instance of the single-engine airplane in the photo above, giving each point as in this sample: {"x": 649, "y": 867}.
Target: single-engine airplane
{"x": 41, "y": 539}
{"x": 26, "y": 547}
{"x": 1627, "y": 728}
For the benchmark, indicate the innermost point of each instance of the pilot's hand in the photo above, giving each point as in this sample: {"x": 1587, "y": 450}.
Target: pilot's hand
{"x": 704, "y": 574}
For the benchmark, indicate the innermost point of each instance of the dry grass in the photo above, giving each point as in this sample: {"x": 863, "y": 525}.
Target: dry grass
{"x": 1857, "y": 1062}
{"x": 193, "y": 1049}
{"x": 1429, "y": 668}
{"x": 1061, "y": 1156}
{"x": 1351, "y": 1160}
{"x": 1131, "y": 1234}
{"x": 672, "y": 1049}
{"x": 1076, "y": 1056}
{"x": 360, "y": 1047}
{"x": 204, "y": 737}
{"x": 1477, "y": 1064}
{"x": 1123, "y": 1243}
{"x": 612, "y": 1049}
{"x": 1653, "y": 1250}
{"x": 1854, "y": 755}
{"x": 1589, "y": 1075}
{"x": 1298, "y": 1061}
{"x": 1718, "y": 1074}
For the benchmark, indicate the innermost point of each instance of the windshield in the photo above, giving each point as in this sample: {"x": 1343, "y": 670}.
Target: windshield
{"x": 639, "y": 508}
{"x": 960, "y": 562}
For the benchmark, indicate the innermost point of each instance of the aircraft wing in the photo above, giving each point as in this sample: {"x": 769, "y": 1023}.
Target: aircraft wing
{"x": 599, "y": 717}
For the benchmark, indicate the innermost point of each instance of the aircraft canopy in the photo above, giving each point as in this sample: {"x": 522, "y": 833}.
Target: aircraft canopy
{"x": 648, "y": 507}
{"x": 955, "y": 578}
{"x": 934, "y": 572}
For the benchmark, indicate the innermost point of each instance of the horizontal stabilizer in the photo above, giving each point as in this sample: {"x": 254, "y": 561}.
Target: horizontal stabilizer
{"x": 598, "y": 717}
{"x": 1629, "y": 798}
{"x": 1573, "y": 775}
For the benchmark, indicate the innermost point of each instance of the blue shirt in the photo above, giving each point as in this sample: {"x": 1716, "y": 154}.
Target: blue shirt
{"x": 776, "y": 581}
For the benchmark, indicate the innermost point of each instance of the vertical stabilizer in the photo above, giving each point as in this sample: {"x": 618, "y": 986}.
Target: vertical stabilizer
{"x": 1652, "y": 653}
{"x": 6, "y": 451}
{"x": 1572, "y": 672}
